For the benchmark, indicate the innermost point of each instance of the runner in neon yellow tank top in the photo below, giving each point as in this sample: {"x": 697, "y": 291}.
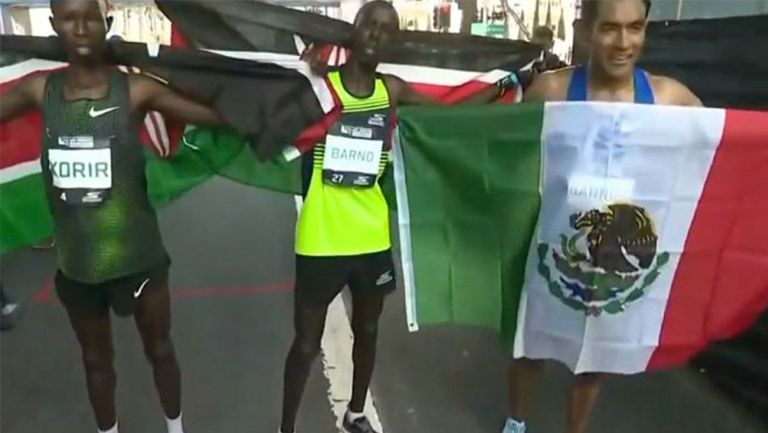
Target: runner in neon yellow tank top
{"x": 343, "y": 229}
{"x": 344, "y": 213}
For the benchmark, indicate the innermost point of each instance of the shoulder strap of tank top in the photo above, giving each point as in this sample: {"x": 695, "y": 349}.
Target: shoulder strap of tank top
{"x": 53, "y": 95}
{"x": 334, "y": 80}
{"x": 643, "y": 89}
{"x": 577, "y": 89}
{"x": 54, "y": 84}
{"x": 120, "y": 88}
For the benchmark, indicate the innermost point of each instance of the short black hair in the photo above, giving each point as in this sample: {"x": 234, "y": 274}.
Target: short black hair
{"x": 56, "y": 2}
{"x": 375, "y": 4}
{"x": 589, "y": 9}
{"x": 543, "y": 32}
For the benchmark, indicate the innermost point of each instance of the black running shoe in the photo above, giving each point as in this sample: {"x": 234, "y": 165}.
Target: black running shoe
{"x": 360, "y": 425}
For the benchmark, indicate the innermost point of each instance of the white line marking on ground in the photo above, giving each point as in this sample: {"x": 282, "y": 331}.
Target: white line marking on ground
{"x": 337, "y": 359}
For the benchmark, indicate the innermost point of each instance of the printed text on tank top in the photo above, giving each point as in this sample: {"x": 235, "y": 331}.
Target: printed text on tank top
{"x": 353, "y": 150}
{"x": 81, "y": 169}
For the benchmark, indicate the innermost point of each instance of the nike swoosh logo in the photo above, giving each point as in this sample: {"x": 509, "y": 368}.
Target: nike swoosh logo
{"x": 137, "y": 293}
{"x": 97, "y": 113}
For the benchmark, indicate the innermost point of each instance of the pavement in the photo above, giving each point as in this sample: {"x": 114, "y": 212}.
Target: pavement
{"x": 232, "y": 249}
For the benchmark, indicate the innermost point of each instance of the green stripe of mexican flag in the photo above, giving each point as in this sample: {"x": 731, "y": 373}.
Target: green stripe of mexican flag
{"x": 612, "y": 237}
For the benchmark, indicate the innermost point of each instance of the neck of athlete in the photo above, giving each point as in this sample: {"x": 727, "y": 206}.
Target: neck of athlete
{"x": 358, "y": 77}
{"x": 600, "y": 80}
{"x": 87, "y": 75}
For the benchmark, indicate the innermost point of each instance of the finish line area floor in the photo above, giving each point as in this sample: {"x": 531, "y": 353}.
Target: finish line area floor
{"x": 231, "y": 282}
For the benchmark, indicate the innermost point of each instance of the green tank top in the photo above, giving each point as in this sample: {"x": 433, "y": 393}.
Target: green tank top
{"x": 93, "y": 168}
{"x": 344, "y": 211}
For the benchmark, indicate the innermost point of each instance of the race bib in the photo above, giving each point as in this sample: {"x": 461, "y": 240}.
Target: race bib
{"x": 352, "y": 162}
{"x": 594, "y": 192}
{"x": 81, "y": 170}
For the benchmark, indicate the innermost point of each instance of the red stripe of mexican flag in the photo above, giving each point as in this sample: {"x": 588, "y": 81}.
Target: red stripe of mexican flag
{"x": 721, "y": 282}
{"x": 677, "y": 196}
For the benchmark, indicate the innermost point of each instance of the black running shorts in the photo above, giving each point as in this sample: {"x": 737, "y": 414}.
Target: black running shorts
{"x": 120, "y": 294}
{"x": 320, "y": 279}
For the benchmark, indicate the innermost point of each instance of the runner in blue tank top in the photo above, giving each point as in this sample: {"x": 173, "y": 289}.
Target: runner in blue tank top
{"x": 616, "y": 32}
{"x": 617, "y": 35}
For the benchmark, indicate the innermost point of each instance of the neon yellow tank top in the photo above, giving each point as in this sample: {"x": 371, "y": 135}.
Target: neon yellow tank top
{"x": 344, "y": 211}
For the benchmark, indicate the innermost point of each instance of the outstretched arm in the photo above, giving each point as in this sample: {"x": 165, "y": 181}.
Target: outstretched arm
{"x": 492, "y": 93}
{"x": 148, "y": 94}
{"x": 545, "y": 87}
{"x": 403, "y": 93}
{"x": 27, "y": 94}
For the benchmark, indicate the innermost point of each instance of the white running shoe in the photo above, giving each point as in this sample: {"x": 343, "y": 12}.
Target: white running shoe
{"x": 514, "y": 426}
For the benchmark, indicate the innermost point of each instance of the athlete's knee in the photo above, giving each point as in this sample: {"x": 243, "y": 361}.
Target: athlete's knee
{"x": 590, "y": 379}
{"x": 159, "y": 351}
{"x": 306, "y": 349}
{"x": 528, "y": 365}
{"x": 98, "y": 360}
{"x": 365, "y": 330}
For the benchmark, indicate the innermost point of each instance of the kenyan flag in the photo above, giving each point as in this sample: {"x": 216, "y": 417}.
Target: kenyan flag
{"x": 251, "y": 50}
{"x": 172, "y": 169}
{"x": 269, "y": 78}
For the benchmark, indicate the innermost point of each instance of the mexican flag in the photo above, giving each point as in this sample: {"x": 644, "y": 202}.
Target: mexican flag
{"x": 611, "y": 237}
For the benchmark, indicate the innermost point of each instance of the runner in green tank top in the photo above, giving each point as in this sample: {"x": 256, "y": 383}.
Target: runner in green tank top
{"x": 110, "y": 252}
{"x": 342, "y": 235}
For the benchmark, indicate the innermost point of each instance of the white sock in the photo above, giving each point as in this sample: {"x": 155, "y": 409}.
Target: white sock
{"x": 352, "y": 416}
{"x": 174, "y": 425}
{"x": 112, "y": 430}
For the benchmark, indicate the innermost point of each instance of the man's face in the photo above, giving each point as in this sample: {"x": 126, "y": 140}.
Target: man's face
{"x": 617, "y": 36}
{"x": 543, "y": 41}
{"x": 81, "y": 26}
{"x": 374, "y": 29}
